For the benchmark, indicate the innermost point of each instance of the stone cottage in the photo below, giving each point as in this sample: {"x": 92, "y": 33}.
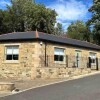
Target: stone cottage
{"x": 40, "y": 55}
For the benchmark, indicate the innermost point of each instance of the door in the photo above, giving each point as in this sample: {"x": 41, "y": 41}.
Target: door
{"x": 93, "y": 60}
{"x": 78, "y": 58}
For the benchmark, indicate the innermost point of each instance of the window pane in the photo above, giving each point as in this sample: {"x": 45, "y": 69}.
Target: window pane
{"x": 15, "y": 57}
{"x": 59, "y": 51}
{"x": 9, "y": 50}
{"x": 61, "y": 58}
{"x": 15, "y": 50}
{"x": 56, "y": 51}
{"x": 55, "y": 57}
{"x": 93, "y": 55}
{"x": 93, "y": 60}
{"x": 8, "y": 57}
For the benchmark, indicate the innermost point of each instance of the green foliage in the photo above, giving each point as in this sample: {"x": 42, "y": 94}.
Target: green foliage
{"x": 3, "y": 24}
{"x": 78, "y": 30}
{"x": 59, "y": 30}
{"x": 95, "y": 20}
{"x": 25, "y": 15}
{"x": 1, "y": 18}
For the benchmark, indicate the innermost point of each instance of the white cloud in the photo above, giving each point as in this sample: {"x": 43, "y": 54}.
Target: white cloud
{"x": 69, "y": 10}
{"x": 3, "y": 3}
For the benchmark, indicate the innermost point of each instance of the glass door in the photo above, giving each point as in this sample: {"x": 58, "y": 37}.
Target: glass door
{"x": 78, "y": 58}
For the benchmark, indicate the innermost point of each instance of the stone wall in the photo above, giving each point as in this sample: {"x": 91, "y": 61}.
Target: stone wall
{"x": 31, "y": 66}
{"x": 56, "y": 72}
{"x": 63, "y": 70}
{"x": 23, "y": 68}
{"x": 69, "y": 55}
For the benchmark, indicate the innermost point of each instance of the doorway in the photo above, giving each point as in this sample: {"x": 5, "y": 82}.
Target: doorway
{"x": 78, "y": 58}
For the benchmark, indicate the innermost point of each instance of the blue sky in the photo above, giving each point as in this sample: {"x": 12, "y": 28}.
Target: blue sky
{"x": 67, "y": 10}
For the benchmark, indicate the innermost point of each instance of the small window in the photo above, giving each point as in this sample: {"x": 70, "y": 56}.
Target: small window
{"x": 12, "y": 53}
{"x": 93, "y": 57}
{"x": 58, "y": 54}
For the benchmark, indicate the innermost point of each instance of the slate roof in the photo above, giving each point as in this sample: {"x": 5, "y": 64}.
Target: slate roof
{"x": 47, "y": 37}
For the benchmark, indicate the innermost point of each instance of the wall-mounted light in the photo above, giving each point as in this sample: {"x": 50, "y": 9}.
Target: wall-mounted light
{"x": 41, "y": 43}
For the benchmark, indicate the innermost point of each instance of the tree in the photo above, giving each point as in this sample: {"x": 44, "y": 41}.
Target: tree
{"x": 78, "y": 30}
{"x": 25, "y": 15}
{"x": 44, "y": 19}
{"x": 3, "y": 25}
{"x": 1, "y": 18}
{"x": 59, "y": 29}
{"x": 95, "y": 20}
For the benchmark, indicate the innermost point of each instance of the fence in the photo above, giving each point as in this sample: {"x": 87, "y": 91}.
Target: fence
{"x": 69, "y": 61}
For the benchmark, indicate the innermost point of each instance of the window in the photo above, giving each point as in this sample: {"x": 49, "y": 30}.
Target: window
{"x": 58, "y": 54}
{"x": 93, "y": 57}
{"x": 12, "y": 52}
